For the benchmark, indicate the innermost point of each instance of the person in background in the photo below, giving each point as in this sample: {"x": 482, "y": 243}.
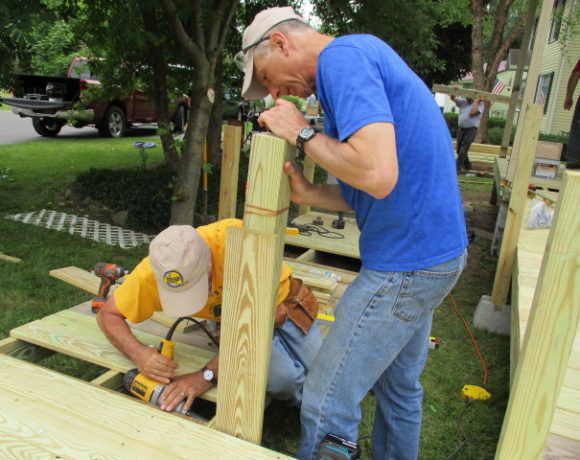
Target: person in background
{"x": 573, "y": 146}
{"x": 470, "y": 111}
{"x": 183, "y": 276}
{"x": 387, "y": 143}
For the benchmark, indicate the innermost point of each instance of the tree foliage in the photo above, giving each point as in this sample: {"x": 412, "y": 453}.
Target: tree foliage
{"x": 431, "y": 36}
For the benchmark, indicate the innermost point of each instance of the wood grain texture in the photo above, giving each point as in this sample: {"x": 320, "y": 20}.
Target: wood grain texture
{"x": 229, "y": 172}
{"x": 471, "y": 93}
{"x": 549, "y": 340}
{"x": 8, "y": 258}
{"x": 514, "y": 218}
{"x": 251, "y": 284}
{"x": 308, "y": 171}
{"x": 44, "y": 414}
{"x": 79, "y": 336}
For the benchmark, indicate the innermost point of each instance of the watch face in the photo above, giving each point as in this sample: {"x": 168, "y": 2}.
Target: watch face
{"x": 307, "y": 132}
{"x": 208, "y": 375}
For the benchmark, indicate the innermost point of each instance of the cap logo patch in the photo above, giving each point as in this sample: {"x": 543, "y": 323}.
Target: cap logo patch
{"x": 173, "y": 278}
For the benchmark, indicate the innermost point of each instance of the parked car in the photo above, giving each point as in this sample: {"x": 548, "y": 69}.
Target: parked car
{"x": 52, "y": 102}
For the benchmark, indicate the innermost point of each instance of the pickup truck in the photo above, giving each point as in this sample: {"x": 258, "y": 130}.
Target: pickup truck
{"x": 52, "y": 102}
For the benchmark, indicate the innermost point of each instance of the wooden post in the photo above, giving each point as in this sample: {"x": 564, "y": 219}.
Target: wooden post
{"x": 549, "y": 335}
{"x": 251, "y": 279}
{"x": 505, "y": 263}
{"x": 230, "y": 171}
{"x": 308, "y": 171}
{"x": 540, "y": 40}
{"x": 507, "y": 130}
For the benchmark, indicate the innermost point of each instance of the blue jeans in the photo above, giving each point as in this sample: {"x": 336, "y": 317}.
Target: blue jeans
{"x": 379, "y": 342}
{"x": 292, "y": 355}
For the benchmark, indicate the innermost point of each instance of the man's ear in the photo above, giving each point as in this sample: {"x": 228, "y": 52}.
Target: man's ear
{"x": 280, "y": 42}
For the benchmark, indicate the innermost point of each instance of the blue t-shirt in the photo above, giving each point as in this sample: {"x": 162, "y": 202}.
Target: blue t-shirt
{"x": 361, "y": 80}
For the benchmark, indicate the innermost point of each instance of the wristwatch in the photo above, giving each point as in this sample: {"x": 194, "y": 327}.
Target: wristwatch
{"x": 304, "y": 135}
{"x": 208, "y": 375}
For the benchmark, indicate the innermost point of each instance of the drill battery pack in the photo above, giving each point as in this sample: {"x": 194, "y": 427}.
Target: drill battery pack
{"x": 334, "y": 447}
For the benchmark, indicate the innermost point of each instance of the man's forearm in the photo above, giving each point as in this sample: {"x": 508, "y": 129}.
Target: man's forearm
{"x": 120, "y": 335}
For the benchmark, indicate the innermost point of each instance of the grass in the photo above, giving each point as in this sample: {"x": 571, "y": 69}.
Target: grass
{"x": 4, "y": 106}
{"x": 34, "y": 175}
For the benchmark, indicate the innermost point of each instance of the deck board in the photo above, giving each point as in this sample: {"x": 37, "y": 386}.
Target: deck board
{"x": 79, "y": 336}
{"x": 44, "y": 414}
{"x": 530, "y": 252}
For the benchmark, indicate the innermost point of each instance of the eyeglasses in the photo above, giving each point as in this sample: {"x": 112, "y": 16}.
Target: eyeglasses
{"x": 239, "y": 57}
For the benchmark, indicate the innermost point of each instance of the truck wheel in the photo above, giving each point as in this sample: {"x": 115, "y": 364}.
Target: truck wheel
{"x": 47, "y": 127}
{"x": 113, "y": 125}
{"x": 179, "y": 119}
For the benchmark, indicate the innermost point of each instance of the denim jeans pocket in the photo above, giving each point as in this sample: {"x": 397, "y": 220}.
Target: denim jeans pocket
{"x": 423, "y": 290}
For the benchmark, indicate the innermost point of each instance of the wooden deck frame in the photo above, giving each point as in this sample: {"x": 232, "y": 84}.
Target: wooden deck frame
{"x": 255, "y": 251}
{"x": 549, "y": 335}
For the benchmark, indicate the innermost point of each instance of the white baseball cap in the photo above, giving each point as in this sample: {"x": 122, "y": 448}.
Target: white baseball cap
{"x": 181, "y": 262}
{"x": 255, "y": 34}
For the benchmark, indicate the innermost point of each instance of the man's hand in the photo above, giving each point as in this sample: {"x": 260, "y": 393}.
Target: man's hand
{"x": 156, "y": 366}
{"x": 568, "y": 103}
{"x": 284, "y": 120}
{"x": 188, "y": 387}
{"x": 300, "y": 188}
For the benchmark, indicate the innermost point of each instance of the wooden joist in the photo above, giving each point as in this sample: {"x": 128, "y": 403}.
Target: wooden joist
{"x": 9, "y": 258}
{"x": 471, "y": 93}
{"x": 77, "y": 335}
{"x": 45, "y": 414}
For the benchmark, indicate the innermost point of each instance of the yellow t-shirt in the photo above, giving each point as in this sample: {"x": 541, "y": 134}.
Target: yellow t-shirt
{"x": 138, "y": 298}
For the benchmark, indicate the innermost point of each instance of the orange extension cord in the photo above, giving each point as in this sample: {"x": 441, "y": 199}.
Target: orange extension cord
{"x": 471, "y": 336}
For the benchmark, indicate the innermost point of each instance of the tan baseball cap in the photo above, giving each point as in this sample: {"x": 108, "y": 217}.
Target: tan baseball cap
{"x": 254, "y": 34}
{"x": 181, "y": 262}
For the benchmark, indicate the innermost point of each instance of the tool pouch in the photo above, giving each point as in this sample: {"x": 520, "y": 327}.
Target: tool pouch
{"x": 300, "y": 306}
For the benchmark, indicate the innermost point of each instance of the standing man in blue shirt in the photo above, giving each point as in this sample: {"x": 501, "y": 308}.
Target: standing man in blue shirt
{"x": 388, "y": 145}
{"x": 467, "y": 125}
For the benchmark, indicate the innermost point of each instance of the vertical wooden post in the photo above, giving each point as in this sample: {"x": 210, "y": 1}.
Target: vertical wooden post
{"x": 529, "y": 25}
{"x": 308, "y": 171}
{"x": 540, "y": 40}
{"x": 505, "y": 263}
{"x": 549, "y": 335}
{"x": 251, "y": 278}
{"x": 230, "y": 171}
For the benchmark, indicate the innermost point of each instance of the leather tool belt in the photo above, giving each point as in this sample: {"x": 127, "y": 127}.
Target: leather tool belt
{"x": 300, "y": 306}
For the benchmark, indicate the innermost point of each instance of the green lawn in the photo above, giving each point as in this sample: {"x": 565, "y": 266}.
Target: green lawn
{"x": 33, "y": 176}
{"x": 4, "y": 106}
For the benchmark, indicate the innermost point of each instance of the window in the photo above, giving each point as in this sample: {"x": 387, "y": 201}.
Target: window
{"x": 557, "y": 14}
{"x": 543, "y": 90}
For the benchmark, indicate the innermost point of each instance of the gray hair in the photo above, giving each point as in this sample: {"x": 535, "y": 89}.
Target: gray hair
{"x": 293, "y": 26}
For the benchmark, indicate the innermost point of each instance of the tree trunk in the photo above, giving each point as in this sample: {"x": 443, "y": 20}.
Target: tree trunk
{"x": 160, "y": 93}
{"x": 214, "y": 132}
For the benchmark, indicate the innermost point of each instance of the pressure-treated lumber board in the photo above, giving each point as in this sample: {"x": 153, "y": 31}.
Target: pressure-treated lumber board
{"x": 471, "y": 93}
{"x": 348, "y": 246}
{"x": 549, "y": 336}
{"x": 44, "y": 414}
{"x": 229, "y": 173}
{"x": 514, "y": 218}
{"x": 532, "y": 76}
{"x": 251, "y": 277}
{"x": 9, "y": 258}
{"x": 308, "y": 171}
{"x": 110, "y": 379}
{"x": 23, "y": 350}
{"x": 90, "y": 282}
{"x": 79, "y": 336}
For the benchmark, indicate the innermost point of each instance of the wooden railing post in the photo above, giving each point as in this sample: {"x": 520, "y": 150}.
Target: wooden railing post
{"x": 549, "y": 335}
{"x": 251, "y": 278}
{"x": 230, "y": 171}
{"x": 505, "y": 263}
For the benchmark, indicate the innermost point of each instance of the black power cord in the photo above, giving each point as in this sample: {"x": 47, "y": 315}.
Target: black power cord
{"x": 189, "y": 318}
